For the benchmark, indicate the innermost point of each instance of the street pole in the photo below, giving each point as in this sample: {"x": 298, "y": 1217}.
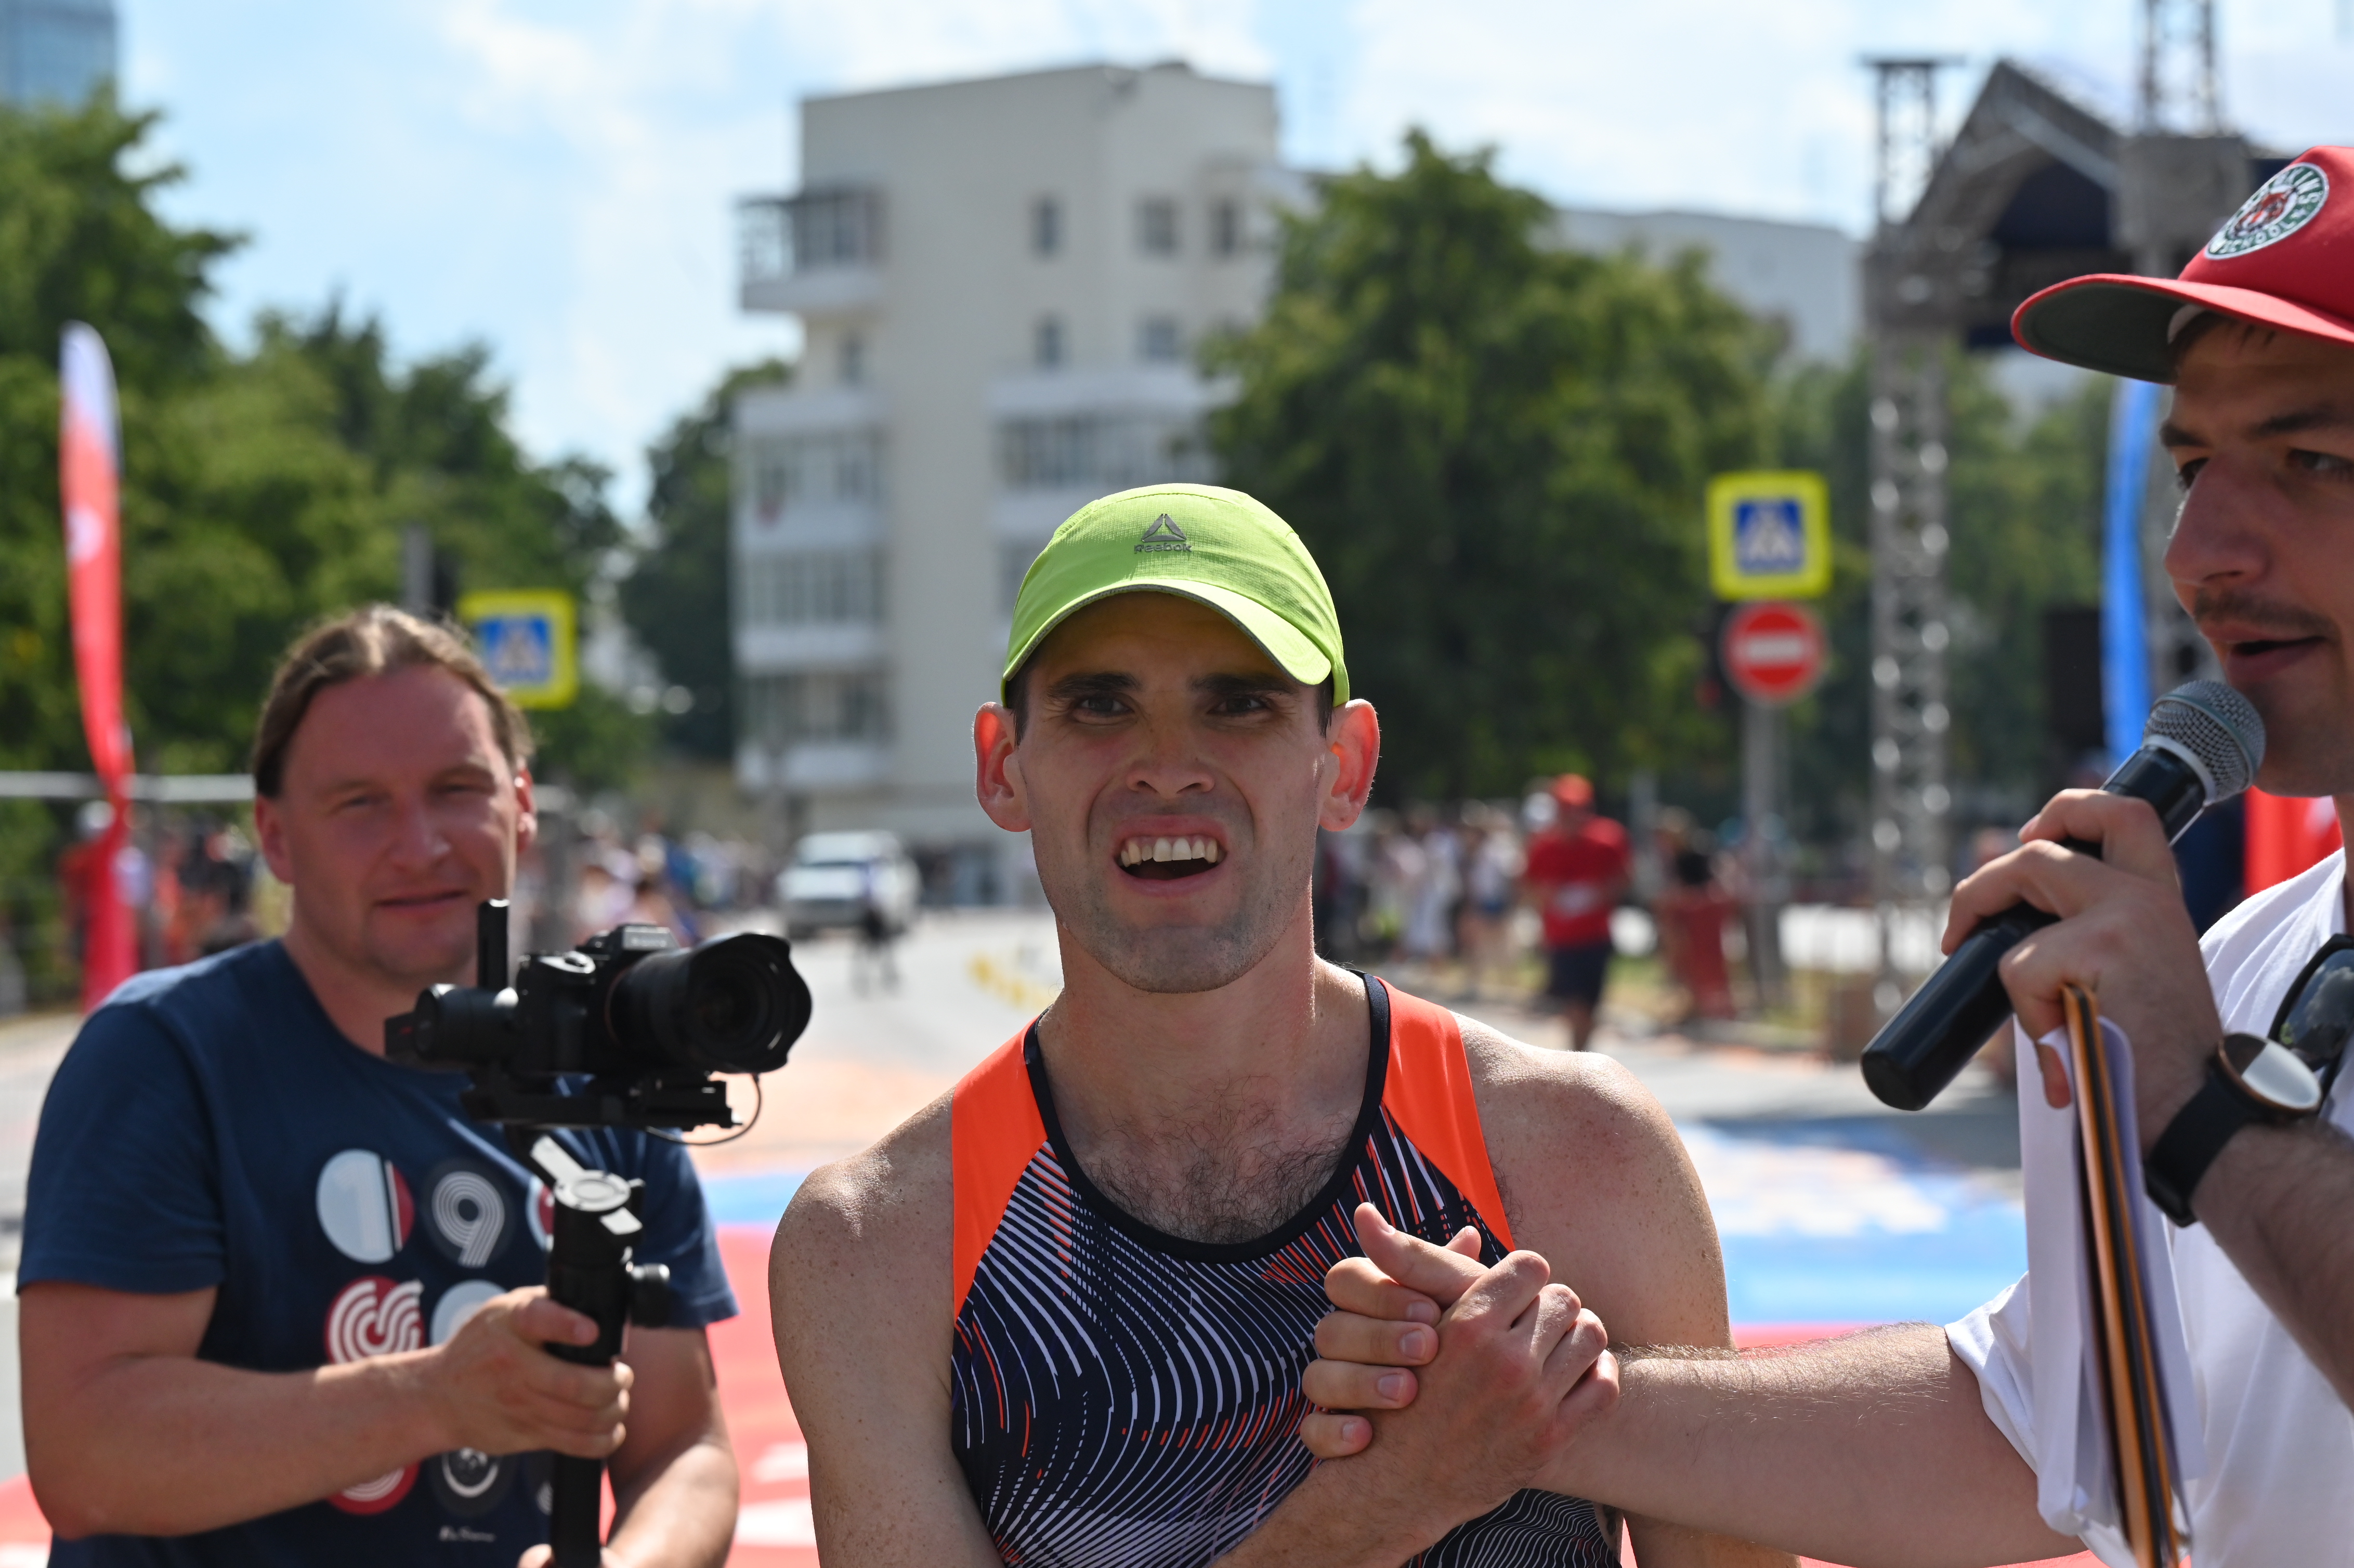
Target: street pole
{"x": 1761, "y": 815}
{"x": 416, "y": 569}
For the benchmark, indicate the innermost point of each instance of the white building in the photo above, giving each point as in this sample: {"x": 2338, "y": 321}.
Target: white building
{"x": 1806, "y": 276}
{"x": 1002, "y": 285}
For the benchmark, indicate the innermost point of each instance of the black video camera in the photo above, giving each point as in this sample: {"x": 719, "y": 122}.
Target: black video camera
{"x": 643, "y": 1022}
{"x": 626, "y": 1032}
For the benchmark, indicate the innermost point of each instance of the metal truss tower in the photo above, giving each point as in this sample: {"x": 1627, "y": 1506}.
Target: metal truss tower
{"x": 2177, "y": 91}
{"x": 2179, "y": 174}
{"x": 1910, "y": 797}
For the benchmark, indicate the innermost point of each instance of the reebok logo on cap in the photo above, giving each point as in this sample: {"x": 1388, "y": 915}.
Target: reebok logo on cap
{"x": 1164, "y": 534}
{"x": 2282, "y": 206}
{"x": 1248, "y": 565}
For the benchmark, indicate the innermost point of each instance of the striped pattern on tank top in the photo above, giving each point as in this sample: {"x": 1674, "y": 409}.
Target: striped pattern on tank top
{"x": 1122, "y": 1398}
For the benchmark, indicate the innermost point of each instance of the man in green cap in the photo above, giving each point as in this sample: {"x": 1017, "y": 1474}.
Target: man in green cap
{"x": 1059, "y": 1317}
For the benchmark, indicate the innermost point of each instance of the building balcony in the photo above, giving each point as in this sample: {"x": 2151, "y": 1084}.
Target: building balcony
{"x": 796, "y": 411}
{"x": 1064, "y": 437}
{"x": 814, "y": 766}
{"x": 812, "y": 645}
{"x": 1175, "y": 389}
{"x": 816, "y": 254}
{"x": 809, "y": 467}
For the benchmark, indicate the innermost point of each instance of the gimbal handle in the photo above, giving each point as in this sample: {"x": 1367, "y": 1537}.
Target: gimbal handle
{"x": 590, "y": 1269}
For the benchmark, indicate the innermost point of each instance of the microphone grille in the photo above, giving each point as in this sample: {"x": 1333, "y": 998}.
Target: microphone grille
{"x": 2217, "y": 725}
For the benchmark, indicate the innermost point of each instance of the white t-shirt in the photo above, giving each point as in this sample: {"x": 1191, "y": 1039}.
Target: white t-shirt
{"x": 2279, "y": 1486}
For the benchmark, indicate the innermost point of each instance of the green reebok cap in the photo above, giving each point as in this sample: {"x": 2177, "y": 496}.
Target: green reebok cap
{"x": 1218, "y": 547}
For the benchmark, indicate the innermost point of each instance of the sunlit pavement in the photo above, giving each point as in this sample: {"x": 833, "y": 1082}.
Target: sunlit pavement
{"x": 1834, "y": 1211}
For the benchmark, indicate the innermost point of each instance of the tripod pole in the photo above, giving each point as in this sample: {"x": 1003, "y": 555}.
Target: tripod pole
{"x": 588, "y": 1271}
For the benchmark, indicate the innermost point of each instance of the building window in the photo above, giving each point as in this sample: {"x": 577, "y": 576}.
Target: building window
{"x": 853, "y": 359}
{"x": 1013, "y": 558}
{"x": 831, "y": 468}
{"x": 1226, "y": 226}
{"x": 1100, "y": 452}
{"x": 818, "y": 587}
{"x": 1156, "y": 226}
{"x": 842, "y": 227}
{"x": 1045, "y": 226}
{"x": 1047, "y": 348}
{"x": 816, "y": 705}
{"x": 1157, "y": 340}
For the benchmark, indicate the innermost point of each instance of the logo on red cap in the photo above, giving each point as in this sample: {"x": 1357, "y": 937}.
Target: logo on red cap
{"x": 2282, "y": 206}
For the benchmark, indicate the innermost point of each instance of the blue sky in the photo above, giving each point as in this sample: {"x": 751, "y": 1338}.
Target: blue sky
{"x": 555, "y": 177}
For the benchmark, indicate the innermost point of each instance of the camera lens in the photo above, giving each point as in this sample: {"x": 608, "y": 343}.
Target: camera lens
{"x": 732, "y": 1005}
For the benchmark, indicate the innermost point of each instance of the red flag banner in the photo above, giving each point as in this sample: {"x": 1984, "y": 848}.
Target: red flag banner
{"x": 89, "y": 475}
{"x": 2287, "y": 835}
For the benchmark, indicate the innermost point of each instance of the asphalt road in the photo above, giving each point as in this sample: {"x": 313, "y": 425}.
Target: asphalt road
{"x": 1833, "y": 1208}
{"x": 875, "y": 1053}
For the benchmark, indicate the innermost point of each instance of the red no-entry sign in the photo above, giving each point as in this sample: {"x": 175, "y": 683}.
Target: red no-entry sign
{"x": 1773, "y": 652}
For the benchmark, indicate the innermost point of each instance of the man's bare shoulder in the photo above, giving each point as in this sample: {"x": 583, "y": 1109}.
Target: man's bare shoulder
{"x": 898, "y": 1193}
{"x": 1578, "y": 1097}
{"x": 875, "y": 1230}
{"x": 1593, "y": 1176}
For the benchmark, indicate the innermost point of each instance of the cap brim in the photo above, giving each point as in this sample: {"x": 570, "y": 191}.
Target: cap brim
{"x": 1298, "y": 657}
{"x": 2119, "y": 323}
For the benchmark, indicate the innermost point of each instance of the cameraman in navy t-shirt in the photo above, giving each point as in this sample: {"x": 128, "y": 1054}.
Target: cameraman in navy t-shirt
{"x": 281, "y": 1297}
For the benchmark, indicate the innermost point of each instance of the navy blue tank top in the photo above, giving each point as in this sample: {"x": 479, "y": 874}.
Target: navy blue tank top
{"x": 1124, "y": 1398}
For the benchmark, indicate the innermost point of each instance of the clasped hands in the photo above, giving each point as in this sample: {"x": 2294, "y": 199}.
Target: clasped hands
{"x": 1515, "y": 1367}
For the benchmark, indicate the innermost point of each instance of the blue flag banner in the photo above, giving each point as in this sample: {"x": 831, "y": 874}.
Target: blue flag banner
{"x": 2124, "y": 639}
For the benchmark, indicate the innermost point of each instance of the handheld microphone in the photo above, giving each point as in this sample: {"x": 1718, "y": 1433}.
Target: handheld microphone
{"x": 2202, "y": 747}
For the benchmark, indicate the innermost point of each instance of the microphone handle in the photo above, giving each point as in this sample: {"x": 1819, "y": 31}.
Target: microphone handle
{"x": 1941, "y": 1026}
{"x": 1934, "y": 1035}
{"x": 1945, "y": 1023}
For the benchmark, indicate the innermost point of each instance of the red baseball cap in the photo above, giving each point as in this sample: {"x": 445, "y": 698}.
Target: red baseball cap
{"x": 1574, "y": 792}
{"x": 2284, "y": 259}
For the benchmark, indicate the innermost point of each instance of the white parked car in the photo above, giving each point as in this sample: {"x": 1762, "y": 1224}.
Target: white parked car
{"x": 860, "y": 880}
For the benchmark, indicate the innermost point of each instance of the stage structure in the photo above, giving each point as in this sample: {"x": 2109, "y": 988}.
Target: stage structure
{"x": 2182, "y": 172}
{"x": 2033, "y": 188}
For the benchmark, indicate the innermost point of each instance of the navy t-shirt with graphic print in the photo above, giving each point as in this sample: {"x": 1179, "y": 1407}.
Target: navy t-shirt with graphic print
{"x": 211, "y": 1128}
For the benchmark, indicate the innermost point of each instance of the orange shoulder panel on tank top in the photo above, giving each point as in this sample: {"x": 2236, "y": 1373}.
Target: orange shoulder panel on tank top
{"x": 995, "y": 1128}
{"x": 1428, "y": 1094}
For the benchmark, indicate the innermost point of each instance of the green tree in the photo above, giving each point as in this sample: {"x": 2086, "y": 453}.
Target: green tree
{"x": 675, "y": 599}
{"x": 260, "y": 491}
{"x": 79, "y": 240}
{"x": 1497, "y": 450}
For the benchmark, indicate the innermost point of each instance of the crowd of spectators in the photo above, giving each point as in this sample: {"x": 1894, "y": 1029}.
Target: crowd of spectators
{"x": 1522, "y": 900}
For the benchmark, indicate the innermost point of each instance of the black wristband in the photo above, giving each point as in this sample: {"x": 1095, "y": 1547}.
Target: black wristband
{"x": 2172, "y": 1170}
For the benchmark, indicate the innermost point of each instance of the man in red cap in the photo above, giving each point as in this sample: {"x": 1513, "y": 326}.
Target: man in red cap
{"x": 1577, "y": 868}
{"x": 1911, "y": 1443}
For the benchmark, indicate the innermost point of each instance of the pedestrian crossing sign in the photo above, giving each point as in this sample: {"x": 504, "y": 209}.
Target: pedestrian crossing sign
{"x": 527, "y": 640}
{"x": 1770, "y": 536}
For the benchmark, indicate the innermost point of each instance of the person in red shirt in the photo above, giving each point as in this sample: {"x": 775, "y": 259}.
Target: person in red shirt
{"x": 1577, "y": 869}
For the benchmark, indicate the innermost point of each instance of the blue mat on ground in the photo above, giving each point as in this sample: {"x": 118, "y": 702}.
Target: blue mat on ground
{"x": 751, "y": 1197}
{"x": 1829, "y": 1221}
{"x": 1847, "y": 1222}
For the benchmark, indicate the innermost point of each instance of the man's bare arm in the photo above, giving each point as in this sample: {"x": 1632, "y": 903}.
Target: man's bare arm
{"x": 2277, "y": 1201}
{"x": 1871, "y": 1449}
{"x": 859, "y": 1286}
{"x": 127, "y": 1432}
